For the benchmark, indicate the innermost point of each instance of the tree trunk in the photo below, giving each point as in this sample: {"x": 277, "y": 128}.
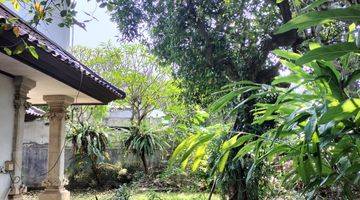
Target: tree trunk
{"x": 238, "y": 189}
{"x": 143, "y": 159}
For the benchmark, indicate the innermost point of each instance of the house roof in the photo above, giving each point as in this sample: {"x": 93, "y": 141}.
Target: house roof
{"x": 56, "y": 62}
{"x": 33, "y": 113}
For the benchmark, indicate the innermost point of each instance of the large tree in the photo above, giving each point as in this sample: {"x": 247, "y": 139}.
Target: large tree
{"x": 216, "y": 42}
{"x": 213, "y": 43}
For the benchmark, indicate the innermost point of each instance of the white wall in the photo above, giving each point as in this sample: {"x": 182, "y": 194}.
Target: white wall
{"x": 60, "y": 35}
{"x": 36, "y": 131}
{"x": 6, "y": 129}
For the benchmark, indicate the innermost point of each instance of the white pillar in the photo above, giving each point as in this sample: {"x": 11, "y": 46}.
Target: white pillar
{"x": 54, "y": 181}
{"x": 22, "y": 87}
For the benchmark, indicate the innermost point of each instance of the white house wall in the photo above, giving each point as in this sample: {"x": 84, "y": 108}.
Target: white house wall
{"x": 6, "y": 129}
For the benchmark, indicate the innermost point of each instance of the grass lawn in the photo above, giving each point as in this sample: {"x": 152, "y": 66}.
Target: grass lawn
{"x": 107, "y": 195}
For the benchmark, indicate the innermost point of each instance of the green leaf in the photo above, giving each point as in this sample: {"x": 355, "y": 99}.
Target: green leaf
{"x": 352, "y": 29}
{"x": 286, "y": 54}
{"x": 310, "y": 127}
{"x": 328, "y": 53}
{"x": 292, "y": 78}
{"x": 314, "y": 45}
{"x": 357, "y": 119}
{"x": 33, "y": 51}
{"x": 315, "y": 18}
{"x": 223, "y": 161}
{"x": 246, "y": 149}
{"x": 16, "y": 4}
{"x": 343, "y": 111}
{"x": 241, "y": 140}
{"x": 199, "y": 154}
{"x": 315, "y": 138}
{"x": 223, "y": 101}
{"x": 229, "y": 143}
{"x": 8, "y": 51}
{"x": 313, "y": 5}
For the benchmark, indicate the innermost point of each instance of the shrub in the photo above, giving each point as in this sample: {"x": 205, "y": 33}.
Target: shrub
{"x": 110, "y": 176}
{"x": 122, "y": 193}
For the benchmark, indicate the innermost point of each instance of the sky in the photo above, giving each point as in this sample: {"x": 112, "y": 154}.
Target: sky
{"x": 97, "y": 31}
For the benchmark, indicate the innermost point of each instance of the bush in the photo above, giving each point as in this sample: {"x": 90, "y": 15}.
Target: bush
{"x": 110, "y": 176}
{"x": 122, "y": 193}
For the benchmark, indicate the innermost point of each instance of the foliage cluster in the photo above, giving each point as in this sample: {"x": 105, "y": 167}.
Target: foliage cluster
{"x": 316, "y": 138}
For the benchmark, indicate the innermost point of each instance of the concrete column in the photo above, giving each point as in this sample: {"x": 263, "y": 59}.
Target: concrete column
{"x": 54, "y": 181}
{"x": 22, "y": 87}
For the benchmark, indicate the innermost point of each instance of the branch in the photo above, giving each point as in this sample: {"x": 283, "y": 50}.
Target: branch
{"x": 286, "y": 39}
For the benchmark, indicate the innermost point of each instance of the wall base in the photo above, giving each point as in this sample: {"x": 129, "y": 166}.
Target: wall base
{"x": 55, "y": 194}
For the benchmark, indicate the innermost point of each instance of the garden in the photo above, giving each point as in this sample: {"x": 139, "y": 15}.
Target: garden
{"x": 257, "y": 100}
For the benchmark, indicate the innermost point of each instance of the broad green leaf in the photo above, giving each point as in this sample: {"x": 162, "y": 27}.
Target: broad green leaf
{"x": 199, "y": 154}
{"x": 315, "y": 18}
{"x": 310, "y": 127}
{"x": 328, "y": 53}
{"x": 223, "y": 161}
{"x": 292, "y": 78}
{"x": 33, "y": 51}
{"x": 276, "y": 150}
{"x": 184, "y": 163}
{"x": 343, "y": 111}
{"x": 223, "y": 101}
{"x": 315, "y": 138}
{"x": 246, "y": 149}
{"x": 314, "y": 45}
{"x": 242, "y": 139}
{"x": 295, "y": 68}
{"x": 286, "y": 54}
{"x": 182, "y": 147}
{"x": 202, "y": 140}
{"x": 229, "y": 143}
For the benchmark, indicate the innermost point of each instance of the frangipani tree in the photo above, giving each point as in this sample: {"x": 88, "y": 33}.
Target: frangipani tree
{"x": 148, "y": 85}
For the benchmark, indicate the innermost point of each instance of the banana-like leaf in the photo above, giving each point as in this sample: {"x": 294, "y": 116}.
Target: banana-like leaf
{"x": 223, "y": 101}
{"x": 315, "y": 18}
{"x": 329, "y": 52}
{"x": 310, "y": 127}
{"x": 223, "y": 160}
{"x": 246, "y": 149}
{"x": 226, "y": 99}
{"x": 292, "y": 78}
{"x": 347, "y": 109}
{"x": 286, "y": 54}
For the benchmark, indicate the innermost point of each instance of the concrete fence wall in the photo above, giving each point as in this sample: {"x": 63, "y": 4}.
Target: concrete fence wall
{"x": 34, "y": 166}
